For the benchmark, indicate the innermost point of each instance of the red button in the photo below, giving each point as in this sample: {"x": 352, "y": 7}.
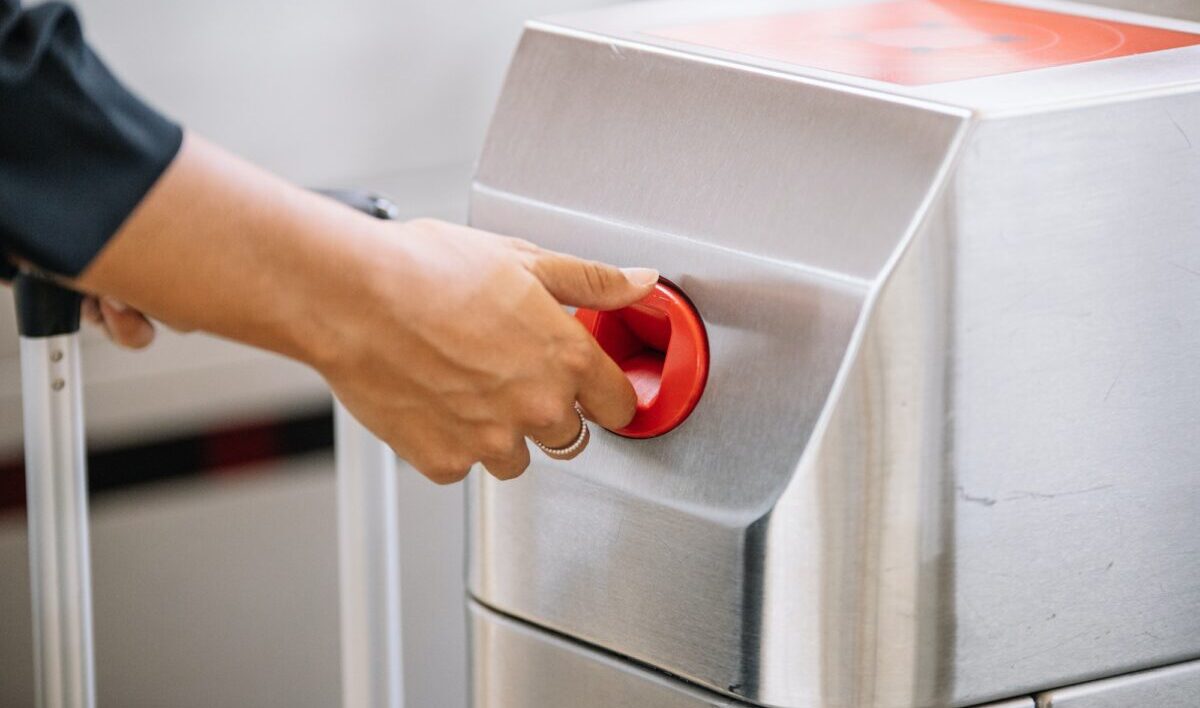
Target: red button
{"x": 661, "y": 346}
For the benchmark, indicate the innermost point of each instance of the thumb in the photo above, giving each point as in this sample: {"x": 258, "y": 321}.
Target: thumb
{"x": 126, "y": 326}
{"x": 598, "y": 286}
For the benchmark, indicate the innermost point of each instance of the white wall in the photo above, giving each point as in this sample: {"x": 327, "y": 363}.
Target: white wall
{"x": 210, "y": 592}
{"x": 323, "y": 92}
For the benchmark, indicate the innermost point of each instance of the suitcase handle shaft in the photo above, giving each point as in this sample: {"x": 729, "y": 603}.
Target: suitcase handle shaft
{"x": 56, "y": 493}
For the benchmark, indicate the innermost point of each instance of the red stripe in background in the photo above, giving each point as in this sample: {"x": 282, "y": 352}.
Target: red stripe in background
{"x": 230, "y": 451}
{"x": 12, "y": 485}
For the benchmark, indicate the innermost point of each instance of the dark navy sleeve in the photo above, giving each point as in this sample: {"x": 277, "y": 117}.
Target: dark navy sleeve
{"x": 78, "y": 151}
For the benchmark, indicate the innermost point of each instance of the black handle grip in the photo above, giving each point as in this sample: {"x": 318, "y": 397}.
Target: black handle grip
{"x": 45, "y": 308}
{"x": 368, "y": 203}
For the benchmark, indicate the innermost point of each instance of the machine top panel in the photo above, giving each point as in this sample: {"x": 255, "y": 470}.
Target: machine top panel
{"x": 917, "y": 42}
{"x": 998, "y": 56}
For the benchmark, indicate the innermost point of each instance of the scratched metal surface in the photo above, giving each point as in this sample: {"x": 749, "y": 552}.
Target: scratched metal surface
{"x": 1169, "y": 687}
{"x": 1076, "y": 402}
{"x": 516, "y": 664}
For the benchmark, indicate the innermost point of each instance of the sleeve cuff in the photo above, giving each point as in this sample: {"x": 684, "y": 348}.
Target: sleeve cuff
{"x": 78, "y": 151}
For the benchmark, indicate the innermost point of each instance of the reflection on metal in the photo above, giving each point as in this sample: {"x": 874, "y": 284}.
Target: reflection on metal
{"x": 368, "y": 567}
{"x": 953, "y": 388}
{"x": 1172, "y": 687}
{"x": 516, "y": 664}
{"x": 56, "y": 493}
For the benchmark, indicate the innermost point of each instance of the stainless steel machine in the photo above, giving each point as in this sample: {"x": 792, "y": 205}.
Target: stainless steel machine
{"x": 946, "y": 254}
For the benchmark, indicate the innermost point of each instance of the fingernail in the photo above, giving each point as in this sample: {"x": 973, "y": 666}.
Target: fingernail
{"x": 641, "y": 277}
{"x": 116, "y": 305}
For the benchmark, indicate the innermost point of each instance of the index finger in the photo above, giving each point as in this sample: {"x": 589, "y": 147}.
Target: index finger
{"x": 605, "y": 393}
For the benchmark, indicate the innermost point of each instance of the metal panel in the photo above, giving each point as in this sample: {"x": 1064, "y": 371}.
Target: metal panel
{"x": 641, "y": 548}
{"x": 1075, "y": 395}
{"x": 655, "y": 548}
{"x": 514, "y": 664}
{"x": 764, "y": 164}
{"x": 1171, "y": 687}
{"x": 1009, "y": 455}
{"x": 629, "y": 27}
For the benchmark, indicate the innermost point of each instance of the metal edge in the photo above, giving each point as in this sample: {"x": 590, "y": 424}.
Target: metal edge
{"x": 878, "y": 93}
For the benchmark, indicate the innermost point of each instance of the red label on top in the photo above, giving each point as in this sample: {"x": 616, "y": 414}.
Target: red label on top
{"x": 915, "y": 42}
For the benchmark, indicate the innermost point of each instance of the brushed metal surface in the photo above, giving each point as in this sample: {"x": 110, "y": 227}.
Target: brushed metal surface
{"x": 629, "y": 26}
{"x": 516, "y": 664}
{"x": 1171, "y": 687}
{"x": 57, "y": 506}
{"x": 1183, "y": 9}
{"x": 947, "y": 450}
{"x": 1077, "y": 395}
{"x": 686, "y": 504}
{"x": 766, "y": 164}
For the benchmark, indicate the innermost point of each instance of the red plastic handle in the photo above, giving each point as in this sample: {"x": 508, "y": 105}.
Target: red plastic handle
{"x": 661, "y": 346}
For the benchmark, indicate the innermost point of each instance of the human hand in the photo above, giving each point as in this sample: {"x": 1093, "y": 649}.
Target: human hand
{"x": 125, "y": 326}
{"x": 461, "y": 349}
{"x": 449, "y": 343}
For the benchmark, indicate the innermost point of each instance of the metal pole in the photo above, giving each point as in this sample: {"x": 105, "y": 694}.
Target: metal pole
{"x": 56, "y": 494}
{"x": 368, "y": 567}
{"x": 368, "y": 508}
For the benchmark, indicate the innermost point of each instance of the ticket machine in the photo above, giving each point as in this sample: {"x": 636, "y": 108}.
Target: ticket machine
{"x": 943, "y": 260}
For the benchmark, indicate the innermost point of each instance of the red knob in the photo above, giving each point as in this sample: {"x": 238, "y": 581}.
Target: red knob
{"x": 661, "y": 346}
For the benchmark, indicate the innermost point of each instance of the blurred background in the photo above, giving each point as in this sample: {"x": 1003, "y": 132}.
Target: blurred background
{"x": 213, "y": 534}
{"x": 214, "y": 538}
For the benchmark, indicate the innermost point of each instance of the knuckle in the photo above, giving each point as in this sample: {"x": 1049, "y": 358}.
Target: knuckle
{"x": 443, "y": 471}
{"x": 523, "y": 246}
{"x": 576, "y": 356}
{"x": 595, "y": 276}
{"x": 445, "y": 475}
{"x": 545, "y": 412}
{"x": 495, "y": 442}
{"x": 508, "y": 470}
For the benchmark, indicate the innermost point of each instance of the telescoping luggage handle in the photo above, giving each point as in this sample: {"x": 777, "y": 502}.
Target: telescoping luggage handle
{"x": 56, "y": 492}
{"x": 57, "y": 510}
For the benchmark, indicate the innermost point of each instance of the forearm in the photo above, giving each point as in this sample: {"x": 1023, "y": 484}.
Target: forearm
{"x": 222, "y": 246}
{"x": 449, "y": 343}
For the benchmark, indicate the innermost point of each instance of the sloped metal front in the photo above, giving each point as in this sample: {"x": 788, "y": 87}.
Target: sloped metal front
{"x": 773, "y": 203}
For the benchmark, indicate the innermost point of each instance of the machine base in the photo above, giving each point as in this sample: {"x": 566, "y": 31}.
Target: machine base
{"x": 516, "y": 664}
